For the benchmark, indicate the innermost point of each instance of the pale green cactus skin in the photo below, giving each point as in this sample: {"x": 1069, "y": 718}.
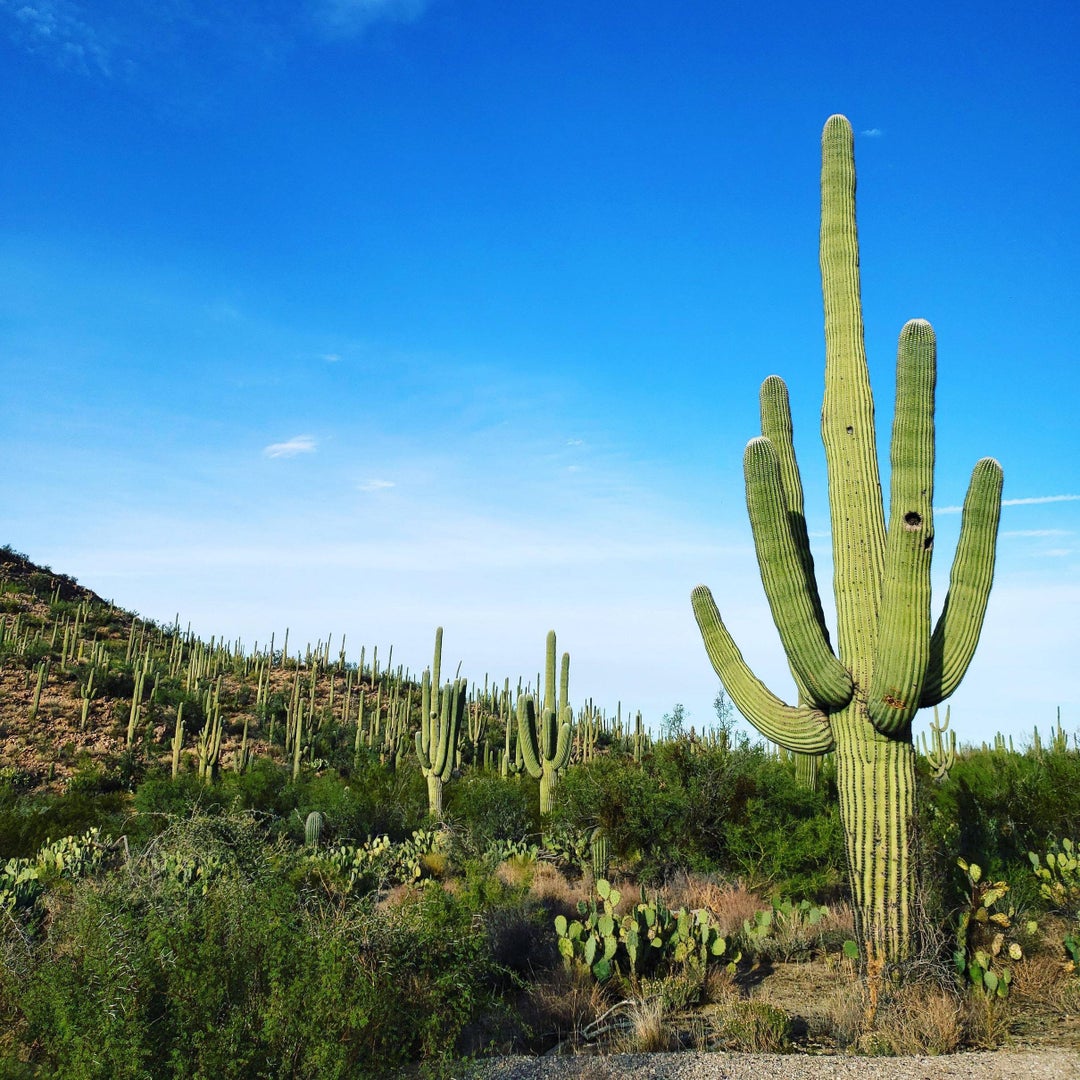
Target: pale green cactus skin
{"x": 441, "y": 713}
{"x": 545, "y": 740}
{"x": 888, "y": 663}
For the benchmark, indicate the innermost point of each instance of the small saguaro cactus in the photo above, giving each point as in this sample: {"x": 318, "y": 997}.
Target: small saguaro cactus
{"x": 545, "y": 740}
{"x": 940, "y": 756}
{"x": 889, "y": 661}
{"x": 313, "y": 827}
{"x": 441, "y": 713}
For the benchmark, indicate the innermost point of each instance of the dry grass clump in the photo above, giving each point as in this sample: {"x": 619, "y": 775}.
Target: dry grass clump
{"x": 729, "y": 904}
{"x": 552, "y": 888}
{"x": 985, "y": 1021}
{"x": 644, "y": 1028}
{"x": 565, "y": 1002}
{"x": 518, "y": 872}
{"x": 1045, "y": 980}
{"x": 748, "y": 1026}
{"x": 918, "y": 1019}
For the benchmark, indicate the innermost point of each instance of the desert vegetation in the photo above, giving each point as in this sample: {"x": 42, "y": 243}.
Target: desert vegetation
{"x": 307, "y": 862}
{"x": 220, "y": 860}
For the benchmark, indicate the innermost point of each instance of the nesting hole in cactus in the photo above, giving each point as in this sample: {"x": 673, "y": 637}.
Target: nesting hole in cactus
{"x": 850, "y": 430}
{"x": 912, "y": 520}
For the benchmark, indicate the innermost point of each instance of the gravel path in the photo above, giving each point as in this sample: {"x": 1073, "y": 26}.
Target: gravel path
{"x": 996, "y": 1065}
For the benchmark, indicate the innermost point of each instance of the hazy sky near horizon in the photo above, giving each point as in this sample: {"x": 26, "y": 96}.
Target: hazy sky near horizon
{"x": 366, "y": 316}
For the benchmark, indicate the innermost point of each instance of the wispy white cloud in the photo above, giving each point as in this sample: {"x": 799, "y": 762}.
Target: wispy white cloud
{"x": 376, "y": 485}
{"x": 1040, "y": 499}
{"x": 298, "y": 444}
{"x": 1034, "y": 500}
{"x": 352, "y": 16}
{"x": 1037, "y": 532}
{"x": 57, "y": 30}
{"x": 872, "y": 133}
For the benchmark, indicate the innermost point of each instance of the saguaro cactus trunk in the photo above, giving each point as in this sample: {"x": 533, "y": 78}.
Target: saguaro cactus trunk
{"x": 860, "y": 699}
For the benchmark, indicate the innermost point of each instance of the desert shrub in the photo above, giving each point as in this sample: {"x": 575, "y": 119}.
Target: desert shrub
{"x": 642, "y": 820}
{"x": 725, "y": 810}
{"x": 29, "y": 820}
{"x": 484, "y": 809}
{"x": 994, "y": 807}
{"x": 204, "y": 959}
{"x": 373, "y": 800}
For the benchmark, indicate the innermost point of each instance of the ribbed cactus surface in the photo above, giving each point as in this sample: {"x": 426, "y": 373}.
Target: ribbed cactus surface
{"x": 544, "y": 739}
{"x": 859, "y": 698}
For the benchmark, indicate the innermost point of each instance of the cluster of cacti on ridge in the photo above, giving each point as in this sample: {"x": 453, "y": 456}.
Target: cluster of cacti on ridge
{"x": 195, "y": 699}
{"x": 890, "y": 661}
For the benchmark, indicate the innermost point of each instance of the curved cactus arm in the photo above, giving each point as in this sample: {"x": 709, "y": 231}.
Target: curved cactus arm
{"x": 527, "y": 740}
{"x": 819, "y": 675}
{"x": 903, "y": 644}
{"x": 561, "y": 758}
{"x": 451, "y": 713}
{"x": 422, "y": 755}
{"x": 776, "y": 426}
{"x": 425, "y": 738}
{"x": 956, "y": 634}
{"x": 803, "y": 729}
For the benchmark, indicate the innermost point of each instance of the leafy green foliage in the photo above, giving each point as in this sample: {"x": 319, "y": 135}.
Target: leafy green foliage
{"x": 712, "y": 810}
{"x": 209, "y": 957}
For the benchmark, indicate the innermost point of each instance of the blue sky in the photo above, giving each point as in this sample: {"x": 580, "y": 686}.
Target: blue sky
{"x": 366, "y": 316}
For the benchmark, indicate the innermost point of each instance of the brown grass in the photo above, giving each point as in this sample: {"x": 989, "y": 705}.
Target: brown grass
{"x": 1042, "y": 980}
{"x": 565, "y": 1001}
{"x": 919, "y": 1019}
{"x": 729, "y": 904}
{"x": 985, "y": 1021}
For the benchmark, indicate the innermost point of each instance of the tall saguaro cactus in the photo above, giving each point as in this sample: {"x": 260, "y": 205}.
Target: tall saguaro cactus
{"x": 545, "y": 740}
{"x": 860, "y": 699}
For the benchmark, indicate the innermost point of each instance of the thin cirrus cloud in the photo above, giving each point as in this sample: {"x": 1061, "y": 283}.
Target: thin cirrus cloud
{"x": 376, "y": 485}
{"x": 298, "y": 444}
{"x": 1035, "y": 500}
{"x": 352, "y": 16}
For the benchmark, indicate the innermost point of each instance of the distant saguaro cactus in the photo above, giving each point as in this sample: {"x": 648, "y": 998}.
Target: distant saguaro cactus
{"x": 441, "y": 713}
{"x": 545, "y": 739}
{"x": 860, "y": 700}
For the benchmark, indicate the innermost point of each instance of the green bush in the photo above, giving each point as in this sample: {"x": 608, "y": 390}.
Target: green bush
{"x": 484, "y": 809}
{"x": 202, "y": 959}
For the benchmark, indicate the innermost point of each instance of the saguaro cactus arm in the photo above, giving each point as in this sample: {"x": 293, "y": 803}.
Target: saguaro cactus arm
{"x": 956, "y": 634}
{"x": 819, "y": 675}
{"x": 903, "y": 644}
{"x": 805, "y": 728}
{"x": 776, "y": 426}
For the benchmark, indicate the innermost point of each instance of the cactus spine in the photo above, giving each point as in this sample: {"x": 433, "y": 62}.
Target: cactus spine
{"x": 545, "y": 741}
{"x": 860, "y": 700}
